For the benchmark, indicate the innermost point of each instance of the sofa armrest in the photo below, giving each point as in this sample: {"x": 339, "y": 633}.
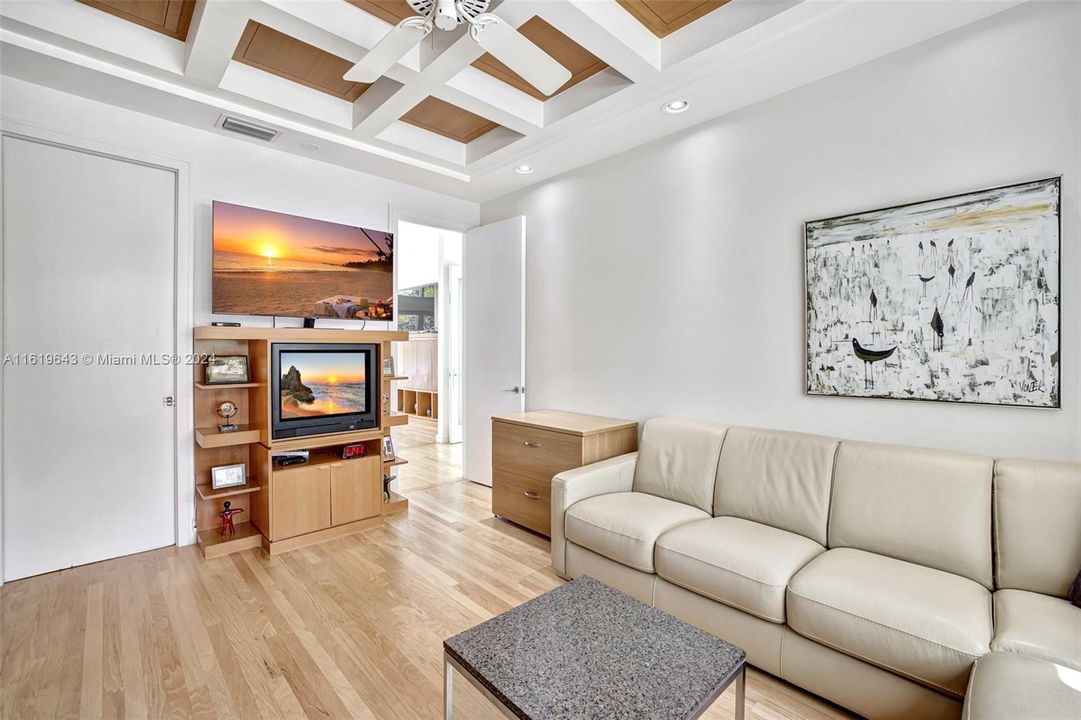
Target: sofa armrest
{"x": 568, "y": 487}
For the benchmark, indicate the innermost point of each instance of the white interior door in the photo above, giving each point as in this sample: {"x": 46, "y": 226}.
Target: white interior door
{"x": 493, "y": 347}
{"x": 89, "y": 258}
{"x": 452, "y": 408}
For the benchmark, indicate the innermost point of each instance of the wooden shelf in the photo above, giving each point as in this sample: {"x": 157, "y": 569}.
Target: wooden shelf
{"x": 387, "y": 378}
{"x": 395, "y": 419}
{"x": 395, "y": 462}
{"x": 396, "y": 504}
{"x": 323, "y": 458}
{"x": 317, "y": 441}
{"x": 208, "y": 493}
{"x": 214, "y": 545}
{"x": 211, "y": 437}
{"x": 226, "y": 386}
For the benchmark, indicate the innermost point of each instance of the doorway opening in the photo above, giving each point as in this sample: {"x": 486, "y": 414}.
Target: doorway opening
{"x": 428, "y": 295}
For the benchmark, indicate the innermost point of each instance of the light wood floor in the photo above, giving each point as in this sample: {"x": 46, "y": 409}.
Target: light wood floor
{"x": 351, "y": 628}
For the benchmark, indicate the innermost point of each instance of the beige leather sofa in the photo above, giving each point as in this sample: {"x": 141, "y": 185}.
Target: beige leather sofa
{"x": 872, "y": 575}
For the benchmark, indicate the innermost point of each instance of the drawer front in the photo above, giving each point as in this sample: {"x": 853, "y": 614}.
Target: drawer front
{"x": 533, "y": 453}
{"x": 523, "y": 500}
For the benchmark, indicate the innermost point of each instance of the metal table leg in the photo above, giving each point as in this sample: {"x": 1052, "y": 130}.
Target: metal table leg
{"x": 448, "y": 688}
{"x": 741, "y": 693}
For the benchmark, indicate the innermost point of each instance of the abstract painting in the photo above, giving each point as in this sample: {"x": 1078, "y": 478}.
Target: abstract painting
{"x": 955, "y": 299}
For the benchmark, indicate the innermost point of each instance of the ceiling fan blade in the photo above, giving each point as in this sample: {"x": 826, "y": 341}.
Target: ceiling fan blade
{"x": 388, "y": 51}
{"x": 523, "y": 57}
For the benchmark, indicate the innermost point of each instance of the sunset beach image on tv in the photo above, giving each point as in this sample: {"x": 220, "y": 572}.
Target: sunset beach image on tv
{"x": 270, "y": 263}
{"x": 318, "y": 384}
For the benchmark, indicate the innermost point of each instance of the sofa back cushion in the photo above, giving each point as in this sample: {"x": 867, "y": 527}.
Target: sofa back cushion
{"x": 1037, "y": 525}
{"x": 677, "y": 460}
{"x": 776, "y": 478}
{"x": 928, "y": 507}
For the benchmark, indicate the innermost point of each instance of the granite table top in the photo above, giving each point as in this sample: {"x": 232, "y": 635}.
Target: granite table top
{"x": 585, "y": 650}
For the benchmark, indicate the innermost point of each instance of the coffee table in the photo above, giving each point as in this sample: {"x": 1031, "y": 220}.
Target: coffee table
{"x": 586, "y": 650}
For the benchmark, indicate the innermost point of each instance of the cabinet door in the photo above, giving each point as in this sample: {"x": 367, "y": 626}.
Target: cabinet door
{"x": 356, "y": 489}
{"x": 300, "y": 501}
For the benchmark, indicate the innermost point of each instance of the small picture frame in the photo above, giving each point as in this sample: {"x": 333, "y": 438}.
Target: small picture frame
{"x": 227, "y": 476}
{"x": 226, "y": 369}
{"x": 388, "y": 366}
{"x": 388, "y": 448}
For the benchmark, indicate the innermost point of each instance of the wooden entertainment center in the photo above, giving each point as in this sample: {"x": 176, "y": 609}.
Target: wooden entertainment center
{"x": 283, "y": 508}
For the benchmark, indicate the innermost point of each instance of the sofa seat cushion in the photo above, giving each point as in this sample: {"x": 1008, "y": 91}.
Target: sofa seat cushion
{"x": 925, "y": 624}
{"x": 734, "y": 561}
{"x": 1039, "y": 626}
{"x": 625, "y": 526}
{"x": 1006, "y": 686}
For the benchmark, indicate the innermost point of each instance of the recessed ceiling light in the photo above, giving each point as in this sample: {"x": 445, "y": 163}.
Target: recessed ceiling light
{"x": 309, "y": 146}
{"x": 524, "y": 169}
{"x": 676, "y": 106}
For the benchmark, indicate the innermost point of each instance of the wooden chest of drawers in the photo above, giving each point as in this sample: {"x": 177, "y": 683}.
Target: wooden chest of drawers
{"x": 530, "y": 448}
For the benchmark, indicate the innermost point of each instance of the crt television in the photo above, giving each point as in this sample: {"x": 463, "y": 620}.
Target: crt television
{"x": 321, "y": 388}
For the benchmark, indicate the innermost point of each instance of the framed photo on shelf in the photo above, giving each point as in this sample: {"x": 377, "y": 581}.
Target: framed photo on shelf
{"x": 388, "y": 366}
{"x": 227, "y": 369}
{"x": 227, "y": 476}
{"x": 388, "y": 448}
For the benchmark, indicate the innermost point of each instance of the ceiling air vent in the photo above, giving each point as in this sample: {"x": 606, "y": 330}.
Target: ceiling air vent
{"x": 243, "y": 127}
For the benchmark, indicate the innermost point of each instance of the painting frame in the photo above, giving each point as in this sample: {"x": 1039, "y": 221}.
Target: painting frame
{"x": 1055, "y": 394}
{"x": 227, "y": 370}
{"x": 228, "y": 476}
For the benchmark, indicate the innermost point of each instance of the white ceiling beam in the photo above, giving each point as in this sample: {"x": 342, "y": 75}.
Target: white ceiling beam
{"x": 388, "y": 113}
{"x": 605, "y": 29}
{"x": 215, "y": 30}
{"x": 739, "y": 16}
{"x": 338, "y": 27}
{"x": 247, "y": 81}
{"x": 129, "y": 44}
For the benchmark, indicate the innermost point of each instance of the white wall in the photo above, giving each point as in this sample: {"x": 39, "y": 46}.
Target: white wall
{"x": 668, "y": 280}
{"x": 233, "y": 170}
{"x": 416, "y": 255}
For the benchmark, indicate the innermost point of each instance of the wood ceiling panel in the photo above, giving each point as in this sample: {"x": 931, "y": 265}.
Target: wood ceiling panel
{"x": 448, "y": 120}
{"x": 169, "y": 17}
{"x": 580, "y": 62}
{"x": 275, "y": 52}
{"x": 664, "y": 17}
{"x": 391, "y": 11}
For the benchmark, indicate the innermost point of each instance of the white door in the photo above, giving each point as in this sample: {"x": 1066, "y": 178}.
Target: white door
{"x": 89, "y": 246}
{"x": 452, "y": 408}
{"x": 493, "y": 272}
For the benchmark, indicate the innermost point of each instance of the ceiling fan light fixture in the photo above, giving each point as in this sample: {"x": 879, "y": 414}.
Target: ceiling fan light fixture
{"x": 524, "y": 169}
{"x": 675, "y": 107}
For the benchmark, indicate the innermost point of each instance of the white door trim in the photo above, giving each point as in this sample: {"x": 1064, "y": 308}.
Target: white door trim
{"x": 183, "y": 372}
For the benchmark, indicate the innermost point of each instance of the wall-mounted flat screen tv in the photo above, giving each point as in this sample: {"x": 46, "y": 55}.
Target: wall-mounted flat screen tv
{"x": 270, "y": 263}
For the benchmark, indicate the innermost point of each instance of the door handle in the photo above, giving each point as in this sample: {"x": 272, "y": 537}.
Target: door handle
{"x": 531, "y": 495}
{"x": 514, "y": 389}
{"x": 530, "y": 444}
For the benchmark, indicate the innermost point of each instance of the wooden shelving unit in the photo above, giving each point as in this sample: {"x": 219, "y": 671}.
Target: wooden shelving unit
{"x": 395, "y": 419}
{"x": 227, "y": 386}
{"x": 208, "y": 493}
{"x": 282, "y": 508}
{"x": 419, "y": 403}
{"x": 212, "y": 437}
{"x": 215, "y": 545}
{"x": 396, "y": 504}
{"x": 395, "y": 462}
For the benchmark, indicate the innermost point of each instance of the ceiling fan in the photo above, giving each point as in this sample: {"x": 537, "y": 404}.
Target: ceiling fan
{"x": 487, "y": 30}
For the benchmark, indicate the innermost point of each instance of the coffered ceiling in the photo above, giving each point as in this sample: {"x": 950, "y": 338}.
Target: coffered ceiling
{"x": 449, "y": 116}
